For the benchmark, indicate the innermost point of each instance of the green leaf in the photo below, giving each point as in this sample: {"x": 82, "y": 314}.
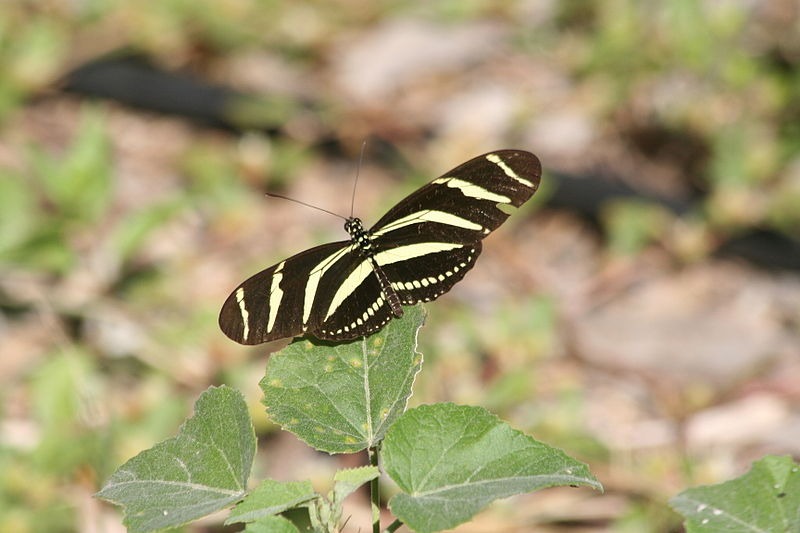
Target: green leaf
{"x": 80, "y": 182}
{"x": 59, "y": 394}
{"x": 201, "y": 470}
{"x": 34, "y": 55}
{"x": 632, "y": 224}
{"x": 270, "y": 498}
{"x": 325, "y": 514}
{"x": 300, "y": 516}
{"x": 271, "y": 524}
{"x": 260, "y": 112}
{"x": 450, "y": 461}
{"x": 18, "y": 213}
{"x": 341, "y": 398}
{"x": 136, "y": 227}
{"x": 766, "y": 499}
{"x": 346, "y": 482}
{"x": 46, "y": 250}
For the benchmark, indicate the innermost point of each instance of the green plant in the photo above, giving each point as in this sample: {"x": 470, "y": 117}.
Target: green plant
{"x": 448, "y": 461}
{"x": 61, "y": 195}
{"x": 767, "y": 498}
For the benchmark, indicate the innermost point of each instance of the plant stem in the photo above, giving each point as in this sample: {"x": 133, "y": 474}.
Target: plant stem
{"x": 393, "y": 526}
{"x": 375, "y": 492}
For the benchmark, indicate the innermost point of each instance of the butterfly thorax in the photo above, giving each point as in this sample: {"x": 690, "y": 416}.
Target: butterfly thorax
{"x": 359, "y": 236}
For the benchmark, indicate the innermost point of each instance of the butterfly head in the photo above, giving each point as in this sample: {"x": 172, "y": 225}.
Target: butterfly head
{"x": 357, "y": 233}
{"x": 354, "y": 227}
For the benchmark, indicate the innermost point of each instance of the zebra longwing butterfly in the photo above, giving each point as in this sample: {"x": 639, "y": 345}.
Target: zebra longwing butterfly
{"x": 415, "y": 253}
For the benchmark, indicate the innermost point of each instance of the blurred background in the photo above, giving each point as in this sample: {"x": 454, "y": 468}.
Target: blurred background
{"x": 641, "y": 313}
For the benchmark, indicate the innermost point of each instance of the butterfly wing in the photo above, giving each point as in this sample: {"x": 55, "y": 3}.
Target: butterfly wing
{"x": 431, "y": 238}
{"x": 425, "y": 277}
{"x": 284, "y": 300}
{"x": 467, "y": 203}
{"x": 357, "y": 307}
{"x": 330, "y": 291}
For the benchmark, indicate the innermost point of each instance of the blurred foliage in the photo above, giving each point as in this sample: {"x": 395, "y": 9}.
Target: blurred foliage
{"x": 138, "y": 334}
{"x": 44, "y": 208}
{"x": 632, "y": 225}
{"x": 77, "y": 184}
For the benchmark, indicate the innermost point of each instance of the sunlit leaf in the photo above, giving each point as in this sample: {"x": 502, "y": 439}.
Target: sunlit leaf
{"x": 270, "y": 498}
{"x": 325, "y": 514}
{"x": 79, "y": 182}
{"x": 271, "y": 524}
{"x": 134, "y": 229}
{"x": 631, "y": 225}
{"x": 36, "y": 53}
{"x": 44, "y": 249}
{"x": 767, "y": 498}
{"x": 342, "y": 398}
{"x": 346, "y": 482}
{"x": 61, "y": 400}
{"x": 201, "y": 470}
{"x": 17, "y": 210}
{"x": 450, "y": 461}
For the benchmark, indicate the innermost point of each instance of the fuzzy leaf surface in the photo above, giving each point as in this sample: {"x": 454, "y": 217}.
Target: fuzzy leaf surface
{"x": 450, "y": 461}
{"x": 270, "y": 498}
{"x": 764, "y": 500}
{"x": 346, "y": 482}
{"x": 342, "y": 398}
{"x": 201, "y": 470}
{"x": 271, "y": 524}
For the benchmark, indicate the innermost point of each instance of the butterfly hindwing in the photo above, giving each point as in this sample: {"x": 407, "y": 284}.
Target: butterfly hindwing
{"x": 426, "y": 277}
{"x": 359, "y": 306}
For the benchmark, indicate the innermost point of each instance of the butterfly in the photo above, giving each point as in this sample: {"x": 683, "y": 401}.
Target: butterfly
{"x": 415, "y": 253}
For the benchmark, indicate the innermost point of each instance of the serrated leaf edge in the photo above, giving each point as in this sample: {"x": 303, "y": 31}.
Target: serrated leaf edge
{"x": 363, "y": 444}
{"x": 229, "y": 496}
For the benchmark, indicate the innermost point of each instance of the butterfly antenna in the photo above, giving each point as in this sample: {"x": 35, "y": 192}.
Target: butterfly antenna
{"x": 275, "y": 195}
{"x": 358, "y": 170}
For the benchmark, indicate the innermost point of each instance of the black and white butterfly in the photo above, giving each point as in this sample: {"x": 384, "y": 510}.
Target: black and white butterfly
{"x": 415, "y": 253}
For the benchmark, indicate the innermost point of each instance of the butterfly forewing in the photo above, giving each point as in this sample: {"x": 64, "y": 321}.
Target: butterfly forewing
{"x": 463, "y": 203}
{"x": 415, "y": 253}
{"x": 434, "y": 234}
{"x": 279, "y": 302}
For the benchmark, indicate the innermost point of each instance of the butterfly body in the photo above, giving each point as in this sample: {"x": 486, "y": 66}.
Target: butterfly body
{"x": 414, "y": 253}
{"x": 362, "y": 239}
